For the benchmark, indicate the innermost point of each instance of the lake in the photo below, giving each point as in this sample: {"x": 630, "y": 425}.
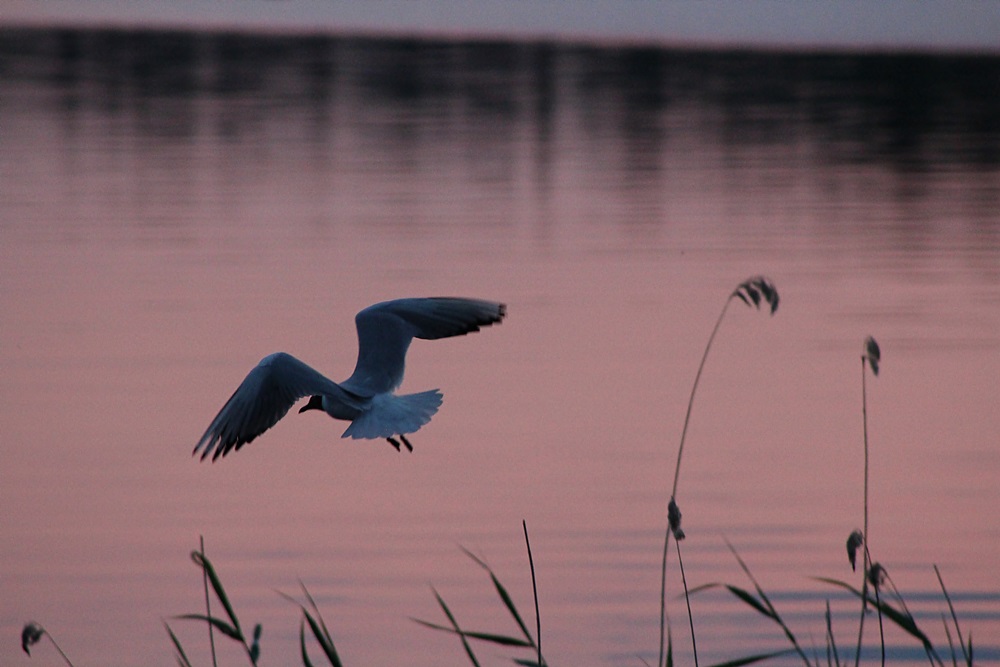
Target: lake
{"x": 175, "y": 206}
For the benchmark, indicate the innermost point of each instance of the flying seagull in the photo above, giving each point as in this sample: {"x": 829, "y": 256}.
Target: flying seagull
{"x": 365, "y": 399}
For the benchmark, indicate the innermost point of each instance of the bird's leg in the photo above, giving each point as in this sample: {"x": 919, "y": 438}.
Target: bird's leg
{"x": 406, "y": 442}
{"x": 395, "y": 443}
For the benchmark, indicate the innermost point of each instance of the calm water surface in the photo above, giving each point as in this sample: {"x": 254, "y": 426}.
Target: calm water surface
{"x": 175, "y": 206}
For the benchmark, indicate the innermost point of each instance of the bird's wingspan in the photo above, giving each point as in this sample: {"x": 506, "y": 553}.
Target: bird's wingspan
{"x": 386, "y": 329}
{"x": 264, "y": 397}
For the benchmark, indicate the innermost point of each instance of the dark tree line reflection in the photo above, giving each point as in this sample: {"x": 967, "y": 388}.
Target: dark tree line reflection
{"x": 418, "y": 104}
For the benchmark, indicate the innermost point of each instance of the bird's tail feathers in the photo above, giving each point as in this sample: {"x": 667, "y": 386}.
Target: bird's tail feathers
{"x": 391, "y": 415}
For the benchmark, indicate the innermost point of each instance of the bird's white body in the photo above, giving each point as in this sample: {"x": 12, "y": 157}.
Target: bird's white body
{"x": 366, "y": 398}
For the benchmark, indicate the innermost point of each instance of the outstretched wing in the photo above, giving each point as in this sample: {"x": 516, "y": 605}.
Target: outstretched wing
{"x": 264, "y": 397}
{"x": 386, "y": 329}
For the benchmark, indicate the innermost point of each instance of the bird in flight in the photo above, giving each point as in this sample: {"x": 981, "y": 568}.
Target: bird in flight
{"x": 365, "y": 399}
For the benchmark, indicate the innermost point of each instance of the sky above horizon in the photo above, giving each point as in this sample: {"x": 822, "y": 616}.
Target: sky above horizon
{"x": 851, "y": 24}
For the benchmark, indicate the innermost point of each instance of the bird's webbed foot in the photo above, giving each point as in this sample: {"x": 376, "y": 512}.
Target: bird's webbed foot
{"x": 395, "y": 443}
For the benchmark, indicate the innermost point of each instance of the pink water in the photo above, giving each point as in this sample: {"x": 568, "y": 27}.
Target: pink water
{"x": 157, "y": 241}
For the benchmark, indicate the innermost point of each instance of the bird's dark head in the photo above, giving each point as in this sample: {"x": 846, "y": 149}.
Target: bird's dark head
{"x": 315, "y": 403}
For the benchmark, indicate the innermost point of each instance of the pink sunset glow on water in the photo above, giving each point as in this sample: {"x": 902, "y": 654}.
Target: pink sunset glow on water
{"x": 166, "y": 227}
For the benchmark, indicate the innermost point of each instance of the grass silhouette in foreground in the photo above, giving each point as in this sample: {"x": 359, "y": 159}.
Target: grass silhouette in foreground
{"x": 230, "y": 625}
{"x": 891, "y": 607}
{"x": 525, "y": 639}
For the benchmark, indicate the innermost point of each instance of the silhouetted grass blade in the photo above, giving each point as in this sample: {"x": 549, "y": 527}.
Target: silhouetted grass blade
{"x": 202, "y": 561}
{"x": 324, "y": 640}
{"x": 509, "y": 603}
{"x": 750, "y": 659}
{"x": 903, "y": 620}
{"x": 534, "y": 595}
{"x": 217, "y": 623}
{"x": 315, "y": 608}
{"x": 306, "y": 662}
{"x": 765, "y": 603}
{"x": 831, "y": 644}
{"x": 742, "y": 594}
{"x": 182, "y": 658}
{"x": 504, "y": 595}
{"x": 967, "y": 654}
{"x": 749, "y": 599}
{"x": 502, "y": 640}
{"x": 458, "y": 630}
{"x": 316, "y": 625}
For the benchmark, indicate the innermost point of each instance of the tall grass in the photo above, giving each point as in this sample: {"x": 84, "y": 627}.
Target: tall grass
{"x": 522, "y": 640}
{"x": 871, "y": 357}
{"x": 231, "y": 627}
{"x": 753, "y": 292}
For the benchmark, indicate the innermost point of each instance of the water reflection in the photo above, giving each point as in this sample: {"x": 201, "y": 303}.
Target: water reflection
{"x": 175, "y": 205}
{"x": 915, "y": 116}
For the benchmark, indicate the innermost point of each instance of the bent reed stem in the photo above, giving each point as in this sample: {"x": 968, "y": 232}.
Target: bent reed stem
{"x": 752, "y": 291}
{"x": 673, "y": 492}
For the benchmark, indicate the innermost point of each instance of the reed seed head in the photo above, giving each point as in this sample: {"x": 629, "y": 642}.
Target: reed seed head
{"x": 876, "y": 575}
{"x": 757, "y": 290}
{"x": 872, "y": 354}
{"x": 674, "y": 518}
{"x": 31, "y": 635}
{"x": 856, "y": 539}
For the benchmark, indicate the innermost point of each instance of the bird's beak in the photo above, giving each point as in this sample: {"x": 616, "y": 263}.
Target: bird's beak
{"x": 315, "y": 403}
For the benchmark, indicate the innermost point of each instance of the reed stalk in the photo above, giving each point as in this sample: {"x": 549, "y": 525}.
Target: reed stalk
{"x": 870, "y": 357}
{"x": 752, "y": 292}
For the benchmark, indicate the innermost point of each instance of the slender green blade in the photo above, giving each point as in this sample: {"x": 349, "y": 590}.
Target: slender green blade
{"x": 704, "y": 587}
{"x": 319, "y": 617}
{"x": 325, "y": 642}
{"x": 306, "y": 662}
{"x": 750, "y": 659}
{"x": 509, "y": 603}
{"x": 217, "y": 623}
{"x": 901, "y": 619}
{"x": 750, "y": 600}
{"x": 202, "y": 561}
{"x": 458, "y": 630}
{"x": 670, "y": 649}
{"x": 476, "y": 558}
{"x": 503, "y": 640}
{"x": 182, "y": 658}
